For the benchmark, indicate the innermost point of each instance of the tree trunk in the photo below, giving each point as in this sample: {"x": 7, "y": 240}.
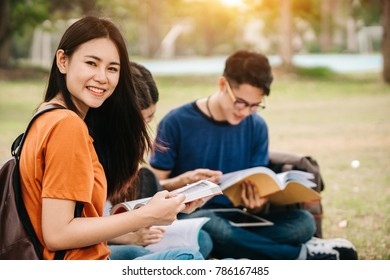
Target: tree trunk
{"x": 285, "y": 33}
{"x": 386, "y": 40}
{"x": 150, "y": 27}
{"x": 326, "y": 21}
{"x": 5, "y": 50}
{"x": 89, "y": 7}
{"x": 154, "y": 26}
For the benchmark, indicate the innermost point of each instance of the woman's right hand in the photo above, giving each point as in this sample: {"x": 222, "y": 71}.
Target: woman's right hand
{"x": 163, "y": 208}
{"x": 142, "y": 237}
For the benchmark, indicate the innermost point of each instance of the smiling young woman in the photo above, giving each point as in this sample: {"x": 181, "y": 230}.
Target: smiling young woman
{"x": 89, "y": 149}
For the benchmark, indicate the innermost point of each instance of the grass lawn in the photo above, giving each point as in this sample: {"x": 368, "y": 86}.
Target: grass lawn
{"x": 335, "y": 119}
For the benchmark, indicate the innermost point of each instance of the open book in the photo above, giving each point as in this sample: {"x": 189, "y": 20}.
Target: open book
{"x": 181, "y": 233}
{"x": 197, "y": 190}
{"x": 284, "y": 188}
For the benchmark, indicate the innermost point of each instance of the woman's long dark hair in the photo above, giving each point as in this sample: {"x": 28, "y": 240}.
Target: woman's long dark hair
{"x": 118, "y": 128}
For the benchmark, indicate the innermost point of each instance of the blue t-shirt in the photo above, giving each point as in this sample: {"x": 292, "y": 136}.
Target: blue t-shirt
{"x": 193, "y": 140}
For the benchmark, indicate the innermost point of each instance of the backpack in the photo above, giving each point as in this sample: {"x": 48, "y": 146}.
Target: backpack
{"x": 285, "y": 161}
{"x": 18, "y": 240}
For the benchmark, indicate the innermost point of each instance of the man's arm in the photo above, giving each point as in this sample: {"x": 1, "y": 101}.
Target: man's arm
{"x": 165, "y": 182}
{"x": 186, "y": 178}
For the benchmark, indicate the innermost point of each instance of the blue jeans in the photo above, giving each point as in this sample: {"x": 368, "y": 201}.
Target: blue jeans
{"x": 282, "y": 241}
{"x": 130, "y": 252}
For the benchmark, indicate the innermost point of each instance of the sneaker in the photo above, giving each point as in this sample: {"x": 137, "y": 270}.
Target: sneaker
{"x": 346, "y": 250}
{"x": 320, "y": 251}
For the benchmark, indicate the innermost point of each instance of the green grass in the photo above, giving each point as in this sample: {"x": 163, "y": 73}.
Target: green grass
{"x": 333, "y": 118}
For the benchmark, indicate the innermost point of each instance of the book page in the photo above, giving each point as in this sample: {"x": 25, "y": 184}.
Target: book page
{"x": 181, "y": 233}
{"x": 294, "y": 193}
{"x": 198, "y": 190}
{"x": 128, "y": 205}
{"x": 231, "y": 178}
{"x": 271, "y": 185}
{"x": 264, "y": 178}
{"x": 297, "y": 176}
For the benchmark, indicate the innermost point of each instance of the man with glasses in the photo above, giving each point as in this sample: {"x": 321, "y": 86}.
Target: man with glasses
{"x": 223, "y": 133}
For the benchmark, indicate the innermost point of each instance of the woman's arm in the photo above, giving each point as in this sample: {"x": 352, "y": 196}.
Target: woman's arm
{"x": 62, "y": 231}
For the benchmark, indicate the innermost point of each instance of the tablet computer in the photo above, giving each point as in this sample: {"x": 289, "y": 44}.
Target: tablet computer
{"x": 240, "y": 218}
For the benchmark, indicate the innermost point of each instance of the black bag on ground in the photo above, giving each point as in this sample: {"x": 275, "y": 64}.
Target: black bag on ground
{"x": 18, "y": 240}
{"x": 285, "y": 161}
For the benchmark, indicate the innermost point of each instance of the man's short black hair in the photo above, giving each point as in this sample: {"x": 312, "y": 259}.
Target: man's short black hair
{"x": 248, "y": 67}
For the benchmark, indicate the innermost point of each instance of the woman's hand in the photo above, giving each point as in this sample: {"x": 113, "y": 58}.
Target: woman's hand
{"x": 142, "y": 237}
{"x": 163, "y": 208}
{"x": 250, "y": 197}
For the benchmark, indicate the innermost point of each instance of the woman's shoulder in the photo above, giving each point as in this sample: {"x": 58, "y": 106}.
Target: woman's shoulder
{"x": 61, "y": 117}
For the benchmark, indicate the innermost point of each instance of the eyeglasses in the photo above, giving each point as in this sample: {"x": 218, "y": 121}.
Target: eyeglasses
{"x": 240, "y": 104}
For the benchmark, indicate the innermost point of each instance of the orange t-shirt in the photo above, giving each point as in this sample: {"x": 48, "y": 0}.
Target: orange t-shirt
{"x": 58, "y": 160}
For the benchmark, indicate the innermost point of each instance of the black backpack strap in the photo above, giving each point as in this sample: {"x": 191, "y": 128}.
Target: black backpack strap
{"x": 22, "y": 212}
{"x": 17, "y": 145}
{"x": 16, "y": 149}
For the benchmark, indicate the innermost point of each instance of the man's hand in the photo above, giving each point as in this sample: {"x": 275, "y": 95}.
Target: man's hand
{"x": 188, "y": 177}
{"x": 193, "y": 205}
{"x": 192, "y": 176}
{"x": 250, "y": 197}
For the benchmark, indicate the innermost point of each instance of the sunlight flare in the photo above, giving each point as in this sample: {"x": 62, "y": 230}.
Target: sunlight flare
{"x": 232, "y": 3}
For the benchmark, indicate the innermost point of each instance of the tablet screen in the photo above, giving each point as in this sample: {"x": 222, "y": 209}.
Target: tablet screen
{"x": 240, "y": 218}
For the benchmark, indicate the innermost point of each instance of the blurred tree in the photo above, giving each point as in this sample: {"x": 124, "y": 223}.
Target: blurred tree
{"x": 15, "y": 15}
{"x": 341, "y": 18}
{"x": 336, "y": 23}
{"x": 286, "y": 34}
{"x": 214, "y": 26}
{"x": 282, "y": 17}
{"x": 279, "y": 16}
{"x": 149, "y": 24}
{"x": 368, "y": 11}
{"x": 326, "y": 25}
{"x": 151, "y": 12}
{"x": 142, "y": 22}
{"x": 20, "y": 16}
{"x": 4, "y": 31}
{"x": 72, "y": 8}
{"x": 386, "y": 40}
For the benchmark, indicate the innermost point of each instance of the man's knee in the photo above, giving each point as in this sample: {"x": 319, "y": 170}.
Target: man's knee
{"x": 308, "y": 223}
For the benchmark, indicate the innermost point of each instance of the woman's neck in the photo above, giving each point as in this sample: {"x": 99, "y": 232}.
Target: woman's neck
{"x": 58, "y": 99}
